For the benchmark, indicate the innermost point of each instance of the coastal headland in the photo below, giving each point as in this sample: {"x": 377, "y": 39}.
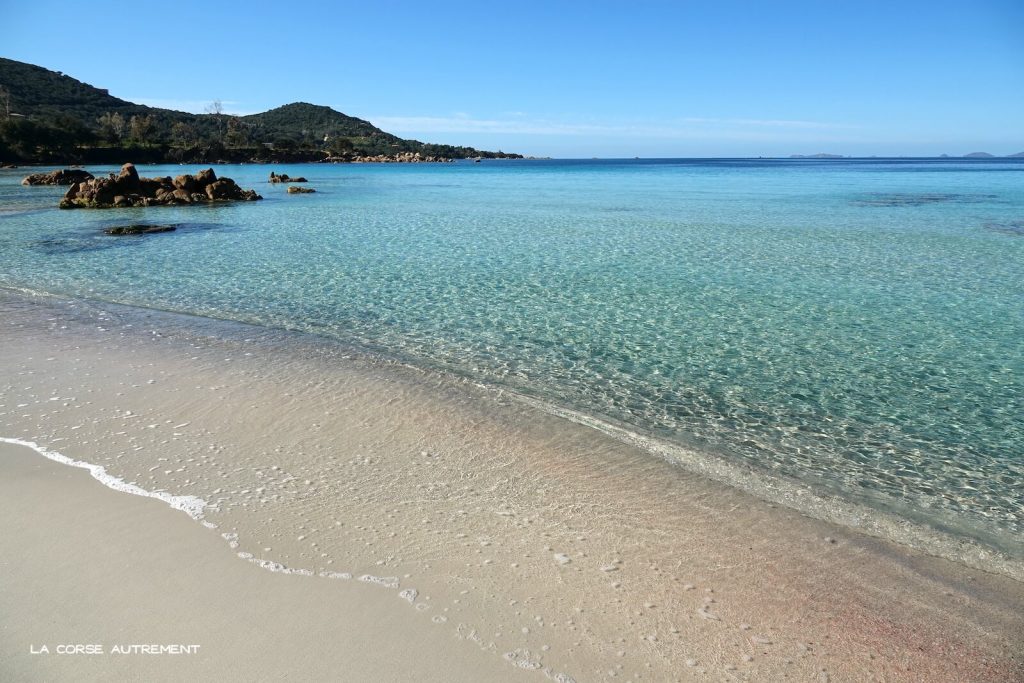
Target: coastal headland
{"x": 50, "y": 118}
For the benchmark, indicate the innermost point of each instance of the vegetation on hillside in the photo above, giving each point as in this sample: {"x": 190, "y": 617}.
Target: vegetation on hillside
{"x": 47, "y": 117}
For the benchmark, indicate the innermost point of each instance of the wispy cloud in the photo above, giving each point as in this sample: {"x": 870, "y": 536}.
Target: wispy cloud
{"x": 688, "y": 127}
{"x": 773, "y": 123}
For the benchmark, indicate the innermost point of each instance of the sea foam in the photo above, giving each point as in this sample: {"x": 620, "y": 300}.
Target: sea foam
{"x": 193, "y": 506}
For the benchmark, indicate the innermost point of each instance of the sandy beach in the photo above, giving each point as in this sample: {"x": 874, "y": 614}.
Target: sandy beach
{"x": 363, "y": 520}
{"x": 118, "y": 574}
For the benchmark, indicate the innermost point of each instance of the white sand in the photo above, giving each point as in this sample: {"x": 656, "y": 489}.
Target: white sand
{"x": 520, "y": 533}
{"x": 85, "y": 566}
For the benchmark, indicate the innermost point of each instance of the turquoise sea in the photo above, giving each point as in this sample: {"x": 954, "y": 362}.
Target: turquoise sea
{"x": 857, "y": 325}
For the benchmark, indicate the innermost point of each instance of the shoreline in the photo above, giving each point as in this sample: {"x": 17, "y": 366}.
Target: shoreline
{"x": 527, "y": 528}
{"x": 937, "y": 534}
{"x": 184, "y": 594}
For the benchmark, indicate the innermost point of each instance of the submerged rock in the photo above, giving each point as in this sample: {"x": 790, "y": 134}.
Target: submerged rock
{"x": 292, "y": 189}
{"x": 67, "y": 176}
{"x": 138, "y": 229}
{"x": 128, "y": 189}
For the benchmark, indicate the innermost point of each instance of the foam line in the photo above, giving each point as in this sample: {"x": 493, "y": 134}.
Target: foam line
{"x": 190, "y": 505}
{"x": 194, "y": 507}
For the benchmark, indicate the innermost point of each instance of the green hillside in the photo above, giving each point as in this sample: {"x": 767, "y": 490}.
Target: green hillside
{"x": 46, "y": 116}
{"x": 288, "y": 119}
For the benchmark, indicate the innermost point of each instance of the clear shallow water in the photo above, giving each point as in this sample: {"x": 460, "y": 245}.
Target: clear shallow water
{"x": 854, "y": 324}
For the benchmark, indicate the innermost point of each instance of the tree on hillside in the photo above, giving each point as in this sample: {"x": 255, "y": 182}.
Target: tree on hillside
{"x": 238, "y": 134}
{"x": 5, "y": 102}
{"x": 184, "y": 134}
{"x": 140, "y": 129}
{"x": 111, "y": 127}
{"x": 216, "y": 110}
{"x": 338, "y": 146}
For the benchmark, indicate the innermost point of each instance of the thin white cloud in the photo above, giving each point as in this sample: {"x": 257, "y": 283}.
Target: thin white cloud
{"x": 766, "y": 123}
{"x": 690, "y": 127}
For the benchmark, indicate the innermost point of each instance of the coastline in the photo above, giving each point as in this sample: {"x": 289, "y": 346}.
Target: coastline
{"x": 546, "y": 536}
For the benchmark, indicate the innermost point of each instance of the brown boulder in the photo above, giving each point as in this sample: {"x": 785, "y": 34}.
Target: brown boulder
{"x": 67, "y": 176}
{"x": 150, "y": 186}
{"x": 224, "y": 188}
{"x": 205, "y": 177}
{"x": 128, "y": 179}
{"x": 285, "y": 178}
{"x": 128, "y": 189}
{"x": 185, "y": 182}
{"x": 128, "y": 173}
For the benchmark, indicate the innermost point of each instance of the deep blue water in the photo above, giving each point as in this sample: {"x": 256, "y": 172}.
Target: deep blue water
{"x": 856, "y": 324}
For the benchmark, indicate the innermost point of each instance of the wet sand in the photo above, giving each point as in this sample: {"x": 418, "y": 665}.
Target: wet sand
{"x": 508, "y": 543}
{"x": 85, "y": 566}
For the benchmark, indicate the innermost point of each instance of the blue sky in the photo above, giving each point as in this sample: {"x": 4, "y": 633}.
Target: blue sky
{"x": 571, "y": 79}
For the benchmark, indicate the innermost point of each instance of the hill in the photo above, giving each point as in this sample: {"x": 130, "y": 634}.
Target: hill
{"x": 47, "y": 116}
{"x": 49, "y": 94}
{"x": 283, "y": 121}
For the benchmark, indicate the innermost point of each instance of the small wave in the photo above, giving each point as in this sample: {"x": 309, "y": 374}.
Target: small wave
{"x": 193, "y": 506}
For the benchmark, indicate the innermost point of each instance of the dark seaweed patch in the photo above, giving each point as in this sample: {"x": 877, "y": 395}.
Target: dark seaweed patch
{"x": 94, "y": 237}
{"x": 895, "y": 199}
{"x": 138, "y": 229}
{"x": 1006, "y": 227}
{"x": 71, "y": 245}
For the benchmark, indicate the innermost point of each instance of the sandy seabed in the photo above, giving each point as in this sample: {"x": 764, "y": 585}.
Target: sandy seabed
{"x": 363, "y": 520}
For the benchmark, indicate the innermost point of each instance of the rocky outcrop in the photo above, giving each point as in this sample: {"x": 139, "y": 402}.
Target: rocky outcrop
{"x": 295, "y": 189}
{"x": 138, "y": 229}
{"x": 399, "y": 158}
{"x": 284, "y": 178}
{"x": 67, "y": 176}
{"x": 128, "y": 189}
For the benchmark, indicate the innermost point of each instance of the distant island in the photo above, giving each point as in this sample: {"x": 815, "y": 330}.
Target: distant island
{"x": 972, "y": 155}
{"x": 48, "y": 117}
{"x": 986, "y": 155}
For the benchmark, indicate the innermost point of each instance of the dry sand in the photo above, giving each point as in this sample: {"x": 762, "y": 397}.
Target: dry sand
{"x": 514, "y": 545}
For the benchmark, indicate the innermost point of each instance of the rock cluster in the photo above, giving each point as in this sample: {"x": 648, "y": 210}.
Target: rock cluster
{"x": 67, "y": 176}
{"x": 128, "y": 189}
{"x": 294, "y": 189}
{"x": 285, "y": 178}
{"x": 399, "y": 158}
